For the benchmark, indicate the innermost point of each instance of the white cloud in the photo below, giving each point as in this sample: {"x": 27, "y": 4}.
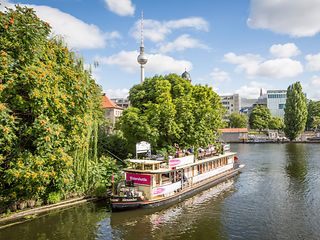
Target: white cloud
{"x": 121, "y": 7}
{"x": 252, "y": 90}
{"x": 117, "y": 93}
{"x": 157, "y": 31}
{"x": 219, "y": 75}
{"x": 294, "y": 17}
{"x": 312, "y": 88}
{"x": 127, "y": 60}
{"x": 315, "y": 81}
{"x": 248, "y": 62}
{"x": 284, "y": 50}
{"x": 313, "y": 62}
{"x": 76, "y": 33}
{"x": 280, "y": 68}
{"x": 181, "y": 43}
{"x": 254, "y": 65}
{"x": 113, "y": 35}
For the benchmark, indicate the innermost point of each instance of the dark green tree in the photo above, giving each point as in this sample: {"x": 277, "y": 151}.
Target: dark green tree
{"x": 313, "y": 113}
{"x": 238, "y": 120}
{"x": 259, "y": 117}
{"x": 295, "y": 112}
{"x": 113, "y": 144}
{"x": 316, "y": 123}
{"x": 276, "y": 123}
{"x": 168, "y": 110}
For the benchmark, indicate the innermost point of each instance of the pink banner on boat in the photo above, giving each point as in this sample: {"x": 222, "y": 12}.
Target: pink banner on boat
{"x": 142, "y": 179}
{"x": 176, "y": 162}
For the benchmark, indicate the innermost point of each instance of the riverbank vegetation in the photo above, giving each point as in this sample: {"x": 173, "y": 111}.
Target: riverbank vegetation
{"x": 50, "y": 113}
{"x": 237, "y": 120}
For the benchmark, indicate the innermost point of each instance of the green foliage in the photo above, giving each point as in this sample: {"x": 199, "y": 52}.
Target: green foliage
{"x": 295, "y": 112}
{"x": 313, "y": 114}
{"x": 50, "y": 111}
{"x": 316, "y": 123}
{"x": 259, "y": 118}
{"x": 103, "y": 171}
{"x": 276, "y": 123}
{"x": 54, "y": 197}
{"x": 238, "y": 120}
{"x": 113, "y": 143}
{"x": 100, "y": 191}
{"x": 168, "y": 110}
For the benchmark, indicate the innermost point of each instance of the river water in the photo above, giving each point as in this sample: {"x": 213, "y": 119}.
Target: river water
{"x": 277, "y": 196}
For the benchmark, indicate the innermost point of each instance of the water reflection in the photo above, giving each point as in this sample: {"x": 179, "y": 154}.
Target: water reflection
{"x": 75, "y": 223}
{"x": 178, "y": 221}
{"x": 296, "y": 161}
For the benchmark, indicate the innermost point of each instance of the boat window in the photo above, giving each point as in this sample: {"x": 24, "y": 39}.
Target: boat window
{"x": 138, "y": 166}
{"x": 148, "y": 167}
{"x": 165, "y": 177}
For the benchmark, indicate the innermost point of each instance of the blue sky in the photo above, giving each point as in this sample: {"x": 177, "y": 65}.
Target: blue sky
{"x": 234, "y": 46}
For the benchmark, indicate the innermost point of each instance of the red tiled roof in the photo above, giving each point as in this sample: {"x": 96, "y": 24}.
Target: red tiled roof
{"x": 107, "y": 103}
{"x": 233, "y": 130}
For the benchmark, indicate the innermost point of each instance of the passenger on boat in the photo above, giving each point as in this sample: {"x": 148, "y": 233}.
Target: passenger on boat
{"x": 201, "y": 152}
{"x": 185, "y": 179}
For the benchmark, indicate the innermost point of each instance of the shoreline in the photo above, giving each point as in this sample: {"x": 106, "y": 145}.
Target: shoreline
{"x": 30, "y": 214}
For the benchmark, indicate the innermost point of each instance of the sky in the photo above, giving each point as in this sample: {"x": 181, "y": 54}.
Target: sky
{"x": 234, "y": 46}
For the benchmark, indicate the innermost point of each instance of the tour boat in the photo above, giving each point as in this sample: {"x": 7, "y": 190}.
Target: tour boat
{"x": 152, "y": 183}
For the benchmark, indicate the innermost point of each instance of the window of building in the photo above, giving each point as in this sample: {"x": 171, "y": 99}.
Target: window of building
{"x": 281, "y": 106}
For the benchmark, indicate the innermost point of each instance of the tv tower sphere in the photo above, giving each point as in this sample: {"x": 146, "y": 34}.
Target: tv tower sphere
{"x": 142, "y": 59}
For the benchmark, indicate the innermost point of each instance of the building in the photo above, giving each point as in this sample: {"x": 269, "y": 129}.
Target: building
{"x": 233, "y": 134}
{"x": 276, "y": 101}
{"x": 247, "y": 104}
{"x": 231, "y": 102}
{"x": 121, "y": 102}
{"x": 186, "y": 75}
{"x": 112, "y": 111}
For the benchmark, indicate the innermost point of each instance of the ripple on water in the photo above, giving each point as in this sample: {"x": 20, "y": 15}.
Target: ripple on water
{"x": 276, "y": 197}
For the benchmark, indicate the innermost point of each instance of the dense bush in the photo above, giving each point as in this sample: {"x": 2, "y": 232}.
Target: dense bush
{"x": 50, "y": 111}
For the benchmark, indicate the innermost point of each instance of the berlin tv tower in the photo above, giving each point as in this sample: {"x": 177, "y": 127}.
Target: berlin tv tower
{"x": 142, "y": 59}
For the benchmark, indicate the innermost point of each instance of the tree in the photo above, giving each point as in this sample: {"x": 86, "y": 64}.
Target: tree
{"x": 295, "y": 112}
{"x": 313, "y": 113}
{"x": 112, "y": 144}
{"x": 316, "y": 123}
{"x": 259, "y": 117}
{"x": 276, "y": 123}
{"x": 238, "y": 120}
{"x": 50, "y": 109}
{"x": 168, "y": 110}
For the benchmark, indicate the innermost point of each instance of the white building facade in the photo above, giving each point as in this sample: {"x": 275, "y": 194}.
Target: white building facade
{"x": 231, "y": 102}
{"x": 276, "y": 101}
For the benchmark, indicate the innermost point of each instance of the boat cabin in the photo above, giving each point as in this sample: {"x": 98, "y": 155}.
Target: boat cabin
{"x": 155, "y": 179}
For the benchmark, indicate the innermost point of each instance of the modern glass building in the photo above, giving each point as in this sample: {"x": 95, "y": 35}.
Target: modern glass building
{"x": 276, "y": 101}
